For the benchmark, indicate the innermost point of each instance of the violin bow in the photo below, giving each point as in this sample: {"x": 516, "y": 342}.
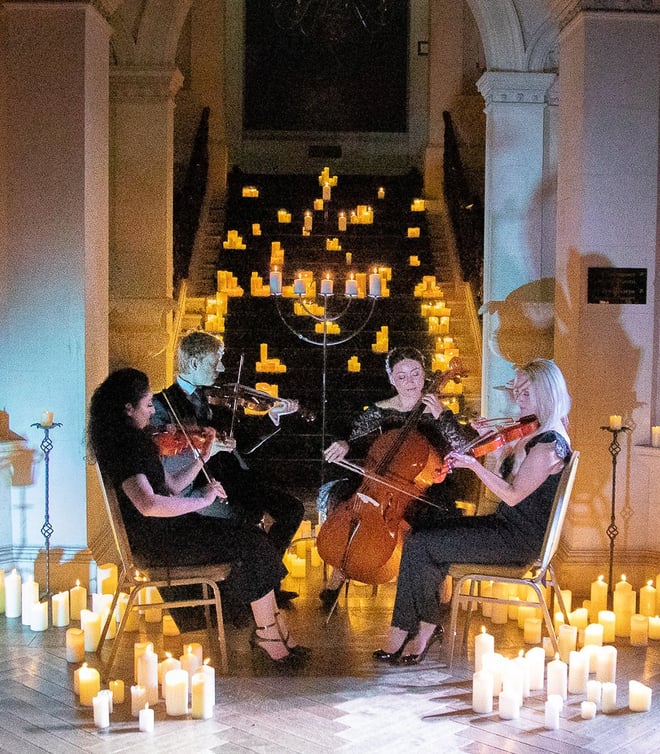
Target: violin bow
{"x": 234, "y": 407}
{"x": 195, "y": 452}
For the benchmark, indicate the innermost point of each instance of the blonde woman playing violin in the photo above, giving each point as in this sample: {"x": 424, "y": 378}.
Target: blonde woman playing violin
{"x": 525, "y": 482}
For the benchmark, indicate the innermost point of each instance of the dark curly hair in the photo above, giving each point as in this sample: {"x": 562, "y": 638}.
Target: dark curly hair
{"x": 108, "y": 421}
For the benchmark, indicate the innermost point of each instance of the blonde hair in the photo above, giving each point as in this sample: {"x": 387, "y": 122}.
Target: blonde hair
{"x": 553, "y": 402}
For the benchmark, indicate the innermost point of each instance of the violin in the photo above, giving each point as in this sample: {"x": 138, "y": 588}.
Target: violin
{"x": 248, "y": 398}
{"x": 174, "y": 441}
{"x": 502, "y": 435}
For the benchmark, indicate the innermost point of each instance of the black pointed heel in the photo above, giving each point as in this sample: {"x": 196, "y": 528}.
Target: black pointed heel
{"x": 436, "y": 637}
{"x": 380, "y": 655}
{"x": 290, "y": 661}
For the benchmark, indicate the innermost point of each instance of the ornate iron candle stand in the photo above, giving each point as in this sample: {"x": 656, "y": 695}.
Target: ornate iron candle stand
{"x": 614, "y": 449}
{"x": 47, "y": 528}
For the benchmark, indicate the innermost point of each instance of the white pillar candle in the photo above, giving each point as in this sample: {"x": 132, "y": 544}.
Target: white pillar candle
{"x": 191, "y": 658}
{"x": 77, "y": 600}
{"x": 598, "y": 598}
{"x": 606, "y": 664}
{"x": 608, "y": 697}
{"x": 89, "y": 684}
{"x": 138, "y": 699}
{"x": 567, "y": 596}
{"x": 13, "y": 594}
{"x": 100, "y": 602}
{"x": 176, "y": 692}
{"x": 482, "y": 692}
{"x": 494, "y": 663}
{"x": 553, "y": 707}
{"x": 374, "y": 284}
{"x": 29, "y": 595}
{"x": 532, "y": 630}
{"x": 654, "y": 627}
{"x": 514, "y": 680}
{"x": 118, "y": 691}
{"x": 579, "y": 618}
{"x": 622, "y": 607}
{"x": 639, "y": 630}
{"x": 139, "y": 648}
{"x": 567, "y": 640}
{"x": 90, "y": 623}
{"x": 548, "y": 647}
{"x": 578, "y": 673}
{"x": 509, "y": 705}
{"x": 146, "y": 719}
{"x": 607, "y": 620}
{"x": 169, "y": 663}
{"x": 39, "y": 616}
{"x": 557, "y": 672}
{"x": 639, "y": 697}
{"x": 590, "y": 651}
{"x": 203, "y": 692}
{"x": 594, "y": 691}
{"x": 615, "y": 421}
{"x": 535, "y": 659}
{"x": 76, "y": 679}
{"x": 107, "y": 693}
{"x": 275, "y": 282}
{"x": 593, "y": 634}
{"x": 61, "y": 613}
{"x": 587, "y": 710}
{"x": 75, "y": 645}
{"x": 106, "y": 578}
{"x": 647, "y": 597}
{"x": 147, "y": 674}
{"x": 484, "y": 643}
{"x": 101, "y": 711}
{"x": 525, "y": 612}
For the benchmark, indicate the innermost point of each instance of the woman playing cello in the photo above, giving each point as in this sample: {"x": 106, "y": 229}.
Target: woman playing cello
{"x": 405, "y": 370}
{"x": 529, "y": 472}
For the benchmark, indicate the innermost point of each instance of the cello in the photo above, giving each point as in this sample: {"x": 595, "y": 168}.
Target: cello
{"x": 361, "y": 535}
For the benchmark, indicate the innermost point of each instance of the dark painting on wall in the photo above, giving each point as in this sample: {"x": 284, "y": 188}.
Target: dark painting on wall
{"x": 341, "y": 67}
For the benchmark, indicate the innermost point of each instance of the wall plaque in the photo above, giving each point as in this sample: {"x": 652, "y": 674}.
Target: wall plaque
{"x": 616, "y": 285}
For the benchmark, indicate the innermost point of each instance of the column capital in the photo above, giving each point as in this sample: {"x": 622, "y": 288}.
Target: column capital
{"x": 564, "y": 11}
{"x": 140, "y": 82}
{"x": 512, "y": 87}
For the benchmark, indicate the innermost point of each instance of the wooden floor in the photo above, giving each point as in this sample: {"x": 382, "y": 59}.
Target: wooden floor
{"x": 342, "y": 702}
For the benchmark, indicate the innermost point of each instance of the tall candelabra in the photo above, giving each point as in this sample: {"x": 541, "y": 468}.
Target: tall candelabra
{"x": 326, "y": 318}
{"x": 612, "y": 531}
{"x": 46, "y": 446}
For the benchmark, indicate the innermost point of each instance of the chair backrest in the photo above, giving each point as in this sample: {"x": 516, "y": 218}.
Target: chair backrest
{"x": 116, "y": 523}
{"x": 558, "y": 512}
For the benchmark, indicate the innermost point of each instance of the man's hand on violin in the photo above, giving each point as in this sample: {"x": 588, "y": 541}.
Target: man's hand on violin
{"x": 282, "y": 407}
{"x": 336, "y": 452}
{"x": 224, "y": 444}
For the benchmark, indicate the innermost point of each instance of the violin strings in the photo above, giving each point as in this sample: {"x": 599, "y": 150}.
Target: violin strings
{"x": 196, "y": 453}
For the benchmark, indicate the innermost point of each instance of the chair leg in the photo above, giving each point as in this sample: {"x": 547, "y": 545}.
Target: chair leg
{"x": 106, "y": 625}
{"x": 468, "y": 617}
{"x": 132, "y": 601}
{"x": 452, "y": 627}
{"x": 222, "y": 639}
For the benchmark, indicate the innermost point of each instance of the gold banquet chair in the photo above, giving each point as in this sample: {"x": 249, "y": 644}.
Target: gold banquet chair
{"x": 133, "y": 580}
{"x": 534, "y": 575}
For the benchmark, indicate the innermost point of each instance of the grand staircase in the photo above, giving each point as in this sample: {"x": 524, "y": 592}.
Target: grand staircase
{"x": 229, "y": 294}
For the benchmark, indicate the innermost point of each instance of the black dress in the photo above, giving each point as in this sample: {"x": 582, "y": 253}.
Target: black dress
{"x": 511, "y": 535}
{"x": 190, "y": 539}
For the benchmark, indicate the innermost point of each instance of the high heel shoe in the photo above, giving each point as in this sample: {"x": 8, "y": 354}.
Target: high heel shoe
{"x": 290, "y": 661}
{"x": 392, "y": 657}
{"x": 297, "y": 649}
{"x": 436, "y": 637}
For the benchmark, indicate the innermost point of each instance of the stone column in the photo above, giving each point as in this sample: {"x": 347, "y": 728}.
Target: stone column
{"x": 607, "y": 218}
{"x": 142, "y": 127}
{"x": 518, "y": 265}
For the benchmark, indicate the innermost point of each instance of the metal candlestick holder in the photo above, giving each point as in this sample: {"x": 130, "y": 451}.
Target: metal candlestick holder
{"x": 614, "y": 449}
{"x": 46, "y": 446}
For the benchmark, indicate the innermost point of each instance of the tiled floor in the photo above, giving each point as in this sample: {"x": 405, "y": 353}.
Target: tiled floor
{"x": 342, "y": 702}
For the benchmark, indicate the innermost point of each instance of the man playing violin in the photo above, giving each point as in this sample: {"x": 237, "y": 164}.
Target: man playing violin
{"x": 199, "y": 363}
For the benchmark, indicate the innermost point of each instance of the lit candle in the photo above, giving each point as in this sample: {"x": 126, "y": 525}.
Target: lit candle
{"x": 532, "y": 631}
{"x": 60, "y": 602}
{"x": 654, "y": 627}
{"x": 553, "y": 707}
{"x": 327, "y": 285}
{"x": 203, "y": 692}
{"x": 590, "y": 651}
{"x": 607, "y": 620}
{"x": 606, "y": 664}
{"x": 106, "y": 578}
{"x": 75, "y": 645}
{"x": 307, "y": 221}
{"x": 117, "y": 688}
{"x": 587, "y": 710}
{"x": 615, "y": 421}
{"x": 484, "y": 643}
{"x": 146, "y": 719}
{"x": 593, "y": 634}
{"x": 299, "y": 286}
{"x": 578, "y": 672}
{"x": 169, "y": 663}
{"x": 624, "y": 603}
{"x": 647, "y": 596}
{"x": 89, "y": 684}
{"x": 639, "y": 697}
{"x": 494, "y": 663}
{"x": 176, "y": 692}
{"x": 598, "y": 598}
{"x": 351, "y": 286}
{"x": 77, "y": 600}
{"x": 147, "y": 674}
{"x": 196, "y": 648}
{"x": 579, "y": 618}
{"x": 90, "y": 623}
{"x": 557, "y": 672}
{"x": 341, "y": 221}
{"x": 608, "y": 697}
{"x": 374, "y": 284}
{"x": 535, "y": 659}
{"x": 138, "y": 700}
{"x": 275, "y": 282}
{"x": 326, "y": 192}
{"x": 29, "y": 595}
{"x": 567, "y": 640}
{"x": 46, "y": 418}
{"x": 381, "y": 192}
{"x": 189, "y": 661}
{"x": 639, "y": 630}
{"x": 482, "y": 692}
{"x": 655, "y": 437}
{"x": 13, "y": 593}
{"x": 101, "y": 706}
